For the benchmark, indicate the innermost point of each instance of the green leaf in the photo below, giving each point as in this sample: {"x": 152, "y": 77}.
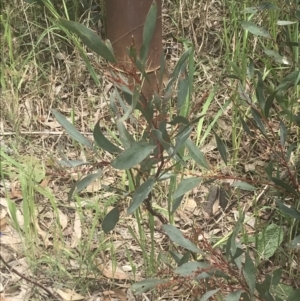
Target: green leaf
{"x": 260, "y": 91}
{"x": 146, "y": 285}
{"x": 133, "y": 155}
{"x": 90, "y": 39}
{"x": 294, "y": 244}
{"x": 185, "y": 186}
{"x": 125, "y": 137}
{"x": 196, "y": 154}
{"x": 290, "y": 211}
{"x": 103, "y": 142}
{"x": 235, "y": 296}
{"x": 276, "y": 56}
{"x": 285, "y": 186}
{"x": 208, "y": 294}
{"x": 177, "y": 69}
{"x": 184, "y": 133}
{"x": 190, "y": 268}
{"x": 264, "y": 289}
{"x": 140, "y": 195}
{"x": 71, "y": 130}
{"x": 283, "y": 291}
{"x": 283, "y": 133}
{"x": 221, "y": 147}
{"x": 83, "y": 183}
{"x": 269, "y": 241}
{"x": 283, "y": 23}
{"x": 148, "y": 31}
{"x": 72, "y": 163}
{"x": 110, "y": 220}
{"x": 183, "y": 89}
{"x": 249, "y": 273}
{"x": 276, "y": 277}
{"x": 176, "y": 203}
{"x": 256, "y": 30}
{"x": 258, "y": 121}
{"x": 176, "y": 236}
{"x": 244, "y": 186}
{"x": 179, "y": 119}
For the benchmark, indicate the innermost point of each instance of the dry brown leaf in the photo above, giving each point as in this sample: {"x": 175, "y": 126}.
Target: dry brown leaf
{"x": 69, "y": 295}
{"x": 3, "y": 221}
{"x": 109, "y": 272}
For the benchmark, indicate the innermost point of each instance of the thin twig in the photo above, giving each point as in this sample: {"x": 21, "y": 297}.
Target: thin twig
{"x": 27, "y": 279}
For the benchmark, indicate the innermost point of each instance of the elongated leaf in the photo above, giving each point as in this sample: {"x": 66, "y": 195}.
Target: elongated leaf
{"x": 260, "y": 91}
{"x": 249, "y": 272}
{"x": 90, "y": 39}
{"x": 185, "y": 186}
{"x": 110, "y": 220}
{"x": 72, "y": 163}
{"x": 285, "y": 186}
{"x": 179, "y": 119}
{"x": 256, "y": 30}
{"x": 245, "y": 127}
{"x": 140, "y": 195}
{"x": 103, "y": 142}
{"x": 189, "y": 268}
{"x": 133, "y": 155}
{"x": 283, "y": 133}
{"x": 264, "y": 289}
{"x": 83, "y": 183}
{"x": 235, "y": 296}
{"x": 290, "y": 211}
{"x": 148, "y": 31}
{"x": 71, "y": 130}
{"x": 258, "y": 121}
{"x": 177, "y": 69}
{"x": 183, "y": 89}
{"x": 244, "y": 186}
{"x": 177, "y": 203}
{"x": 276, "y": 56}
{"x": 125, "y": 137}
{"x": 196, "y": 154}
{"x": 208, "y": 294}
{"x": 184, "y": 133}
{"x": 176, "y": 236}
{"x": 146, "y": 285}
{"x": 221, "y": 147}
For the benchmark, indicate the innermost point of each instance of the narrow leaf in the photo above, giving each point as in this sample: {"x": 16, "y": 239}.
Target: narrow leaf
{"x": 83, "y": 183}
{"x": 256, "y": 30}
{"x": 285, "y": 186}
{"x": 208, "y": 294}
{"x": 71, "y": 130}
{"x": 186, "y": 185}
{"x": 148, "y": 31}
{"x": 110, "y": 220}
{"x": 133, "y": 155}
{"x": 146, "y": 285}
{"x": 176, "y": 236}
{"x": 290, "y": 211}
{"x": 72, "y": 163}
{"x": 189, "y": 268}
{"x": 221, "y": 147}
{"x": 235, "y": 296}
{"x": 140, "y": 195}
{"x": 90, "y": 39}
{"x": 244, "y": 186}
{"x": 249, "y": 272}
{"x": 196, "y": 154}
{"x": 103, "y": 142}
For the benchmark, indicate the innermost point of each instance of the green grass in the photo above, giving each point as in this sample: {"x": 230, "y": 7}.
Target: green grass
{"x": 62, "y": 240}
